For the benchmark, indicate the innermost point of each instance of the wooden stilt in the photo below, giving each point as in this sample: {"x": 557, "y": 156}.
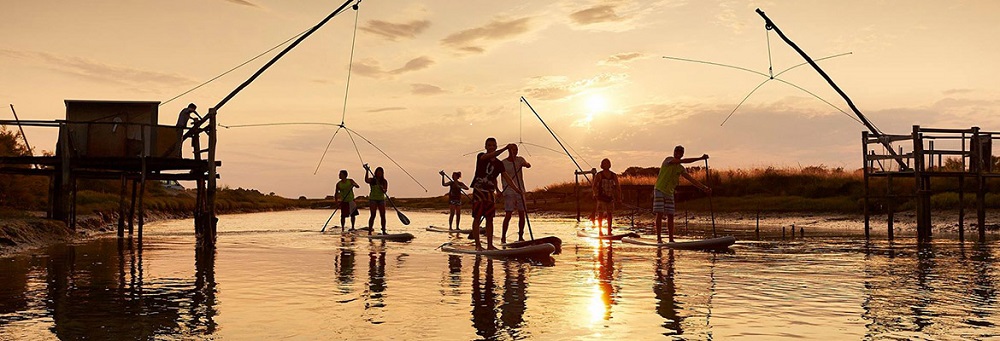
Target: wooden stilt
{"x": 961, "y": 208}
{"x": 121, "y": 207}
{"x": 142, "y": 193}
{"x": 889, "y": 204}
{"x": 864, "y": 171}
{"x": 131, "y": 211}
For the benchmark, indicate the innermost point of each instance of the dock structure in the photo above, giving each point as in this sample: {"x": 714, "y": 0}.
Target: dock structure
{"x": 122, "y": 140}
{"x": 960, "y": 154}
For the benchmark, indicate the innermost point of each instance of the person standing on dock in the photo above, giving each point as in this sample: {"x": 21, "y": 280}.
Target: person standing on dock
{"x": 376, "y": 198}
{"x": 663, "y": 192}
{"x": 455, "y": 188}
{"x": 513, "y": 192}
{"x": 344, "y": 195}
{"x": 607, "y": 192}
{"x": 484, "y": 189}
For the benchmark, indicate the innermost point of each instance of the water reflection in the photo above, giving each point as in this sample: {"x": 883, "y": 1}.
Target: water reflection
{"x": 98, "y": 291}
{"x": 512, "y": 309}
{"x": 604, "y": 272}
{"x": 374, "y": 295}
{"x": 344, "y": 264}
{"x": 451, "y": 281}
{"x": 665, "y": 290}
{"x": 484, "y": 300}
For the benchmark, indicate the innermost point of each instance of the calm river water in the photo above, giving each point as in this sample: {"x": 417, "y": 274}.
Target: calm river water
{"x": 274, "y": 276}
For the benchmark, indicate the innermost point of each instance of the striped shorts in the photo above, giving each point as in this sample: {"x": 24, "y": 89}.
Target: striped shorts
{"x": 663, "y": 203}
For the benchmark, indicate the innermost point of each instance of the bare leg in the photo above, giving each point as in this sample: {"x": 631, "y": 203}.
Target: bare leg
{"x": 451, "y": 215}
{"x": 670, "y": 227}
{"x": 489, "y": 233}
{"x": 520, "y": 226}
{"x": 381, "y": 213}
{"x": 352, "y": 220}
{"x": 458, "y": 217}
{"x": 506, "y": 222}
{"x": 476, "y": 223}
{"x": 371, "y": 218}
{"x": 342, "y": 220}
{"x": 609, "y": 222}
{"x": 658, "y": 227}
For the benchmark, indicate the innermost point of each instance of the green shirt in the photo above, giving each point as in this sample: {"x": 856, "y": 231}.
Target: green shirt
{"x": 345, "y": 190}
{"x": 669, "y": 176}
{"x": 377, "y": 192}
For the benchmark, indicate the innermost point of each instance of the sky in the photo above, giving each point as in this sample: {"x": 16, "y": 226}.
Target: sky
{"x": 430, "y": 80}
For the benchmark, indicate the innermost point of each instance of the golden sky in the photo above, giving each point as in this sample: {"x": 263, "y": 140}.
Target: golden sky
{"x": 432, "y": 79}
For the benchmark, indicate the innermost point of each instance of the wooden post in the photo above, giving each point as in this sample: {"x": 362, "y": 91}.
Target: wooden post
{"x": 889, "y": 204}
{"x": 122, "y": 208}
{"x": 72, "y": 207}
{"x": 576, "y": 189}
{"x": 980, "y": 182}
{"x": 802, "y": 232}
{"x": 131, "y": 211}
{"x": 961, "y": 207}
{"x": 864, "y": 172}
{"x": 210, "y": 195}
{"x": 142, "y": 193}
{"x": 757, "y": 230}
{"x": 922, "y": 188}
{"x": 782, "y": 232}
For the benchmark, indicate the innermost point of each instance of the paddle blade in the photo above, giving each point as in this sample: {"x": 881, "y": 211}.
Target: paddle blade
{"x": 403, "y": 218}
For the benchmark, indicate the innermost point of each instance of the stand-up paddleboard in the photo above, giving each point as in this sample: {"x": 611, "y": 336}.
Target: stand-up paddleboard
{"x": 433, "y": 228}
{"x": 555, "y": 241}
{"x": 396, "y": 237}
{"x": 704, "y": 244}
{"x": 585, "y": 234}
{"x": 363, "y": 229}
{"x": 531, "y": 251}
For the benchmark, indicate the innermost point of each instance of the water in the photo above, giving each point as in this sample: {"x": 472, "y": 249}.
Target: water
{"x": 275, "y": 277}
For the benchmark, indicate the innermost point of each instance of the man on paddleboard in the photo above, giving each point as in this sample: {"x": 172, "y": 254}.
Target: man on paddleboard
{"x": 513, "y": 192}
{"x": 663, "y": 193}
{"x": 484, "y": 189}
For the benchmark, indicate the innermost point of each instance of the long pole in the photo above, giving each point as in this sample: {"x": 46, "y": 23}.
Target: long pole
{"x": 554, "y": 136}
{"x": 25, "y": 137}
{"x": 711, "y": 207}
{"x": 875, "y": 131}
{"x": 282, "y": 53}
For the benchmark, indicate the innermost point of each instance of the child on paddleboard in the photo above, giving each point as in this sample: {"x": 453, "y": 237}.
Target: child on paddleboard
{"x": 607, "y": 192}
{"x": 455, "y": 188}
{"x": 376, "y": 198}
{"x": 344, "y": 194}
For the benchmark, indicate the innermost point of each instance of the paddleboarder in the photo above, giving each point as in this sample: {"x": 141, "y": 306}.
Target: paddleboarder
{"x": 344, "y": 194}
{"x": 376, "y": 198}
{"x": 455, "y": 188}
{"x": 663, "y": 193}
{"x": 513, "y": 192}
{"x": 607, "y": 192}
{"x": 484, "y": 189}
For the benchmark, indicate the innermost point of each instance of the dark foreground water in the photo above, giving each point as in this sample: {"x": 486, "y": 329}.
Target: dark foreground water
{"x": 274, "y": 276}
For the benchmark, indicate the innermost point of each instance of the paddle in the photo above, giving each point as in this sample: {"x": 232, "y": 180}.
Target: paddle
{"x": 711, "y": 208}
{"x": 335, "y": 212}
{"x": 524, "y": 205}
{"x": 402, "y": 218}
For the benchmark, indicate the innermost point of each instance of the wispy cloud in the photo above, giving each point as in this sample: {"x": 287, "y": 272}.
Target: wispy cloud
{"x": 425, "y": 89}
{"x": 476, "y": 40}
{"x": 622, "y": 59}
{"x": 386, "y": 109}
{"x": 598, "y": 14}
{"x": 957, "y": 91}
{"x": 558, "y": 87}
{"x": 92, "y": 70}
{"x": 372, "y": 68}
{"x": 242, "y": 2}
{"x": 394, "y": 31}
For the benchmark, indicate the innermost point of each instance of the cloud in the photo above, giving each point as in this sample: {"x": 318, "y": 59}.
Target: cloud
{"x": 598, "y": 14}
{"x": 96, "y": 71}
{"x": 242, "y": 2}
{"x": 476, "y": 40}
{"x": 386, "y": 109}
{"x": 425, "y": 89}
{"x": 372, "y": 68}
{"x": 557, "y": 87}
{"x": 394, "y": 31}
{"x": 957, "y": 91}
{"x": 622, "y": 59}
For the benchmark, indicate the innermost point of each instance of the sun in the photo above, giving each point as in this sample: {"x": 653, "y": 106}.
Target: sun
{"x": 596, "y": 104}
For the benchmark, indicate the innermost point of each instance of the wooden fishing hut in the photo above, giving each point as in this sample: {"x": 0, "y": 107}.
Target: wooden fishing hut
{"x": 122, "y": 140}
{"x": 919, "y": 160}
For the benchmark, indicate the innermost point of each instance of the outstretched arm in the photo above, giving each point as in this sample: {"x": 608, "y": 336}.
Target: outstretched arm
{"x": 697, "y": 183}
{"x": 488, "y": 155}
{"x": 693, "y": 159}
